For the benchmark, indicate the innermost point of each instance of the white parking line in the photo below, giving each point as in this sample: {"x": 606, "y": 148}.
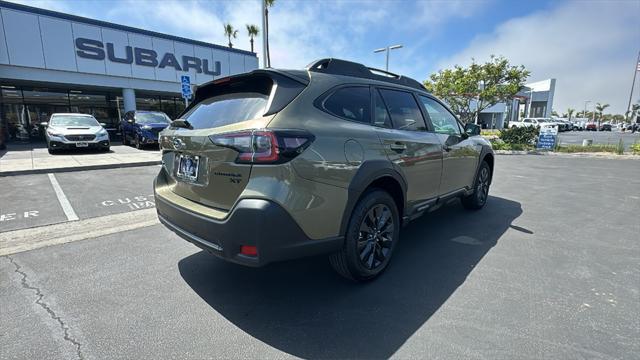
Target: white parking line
{"x": 62, "y": 199}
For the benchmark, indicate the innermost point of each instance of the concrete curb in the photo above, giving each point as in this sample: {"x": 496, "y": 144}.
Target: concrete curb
{"x": 79, "y": 168}
{"x": 601, "y": 155}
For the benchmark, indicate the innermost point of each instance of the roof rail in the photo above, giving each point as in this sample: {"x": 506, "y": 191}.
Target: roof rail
{"x": 349, "y": 68}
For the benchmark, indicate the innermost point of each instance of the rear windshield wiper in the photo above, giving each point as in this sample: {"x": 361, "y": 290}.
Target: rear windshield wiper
{"x": 181, "y": 123}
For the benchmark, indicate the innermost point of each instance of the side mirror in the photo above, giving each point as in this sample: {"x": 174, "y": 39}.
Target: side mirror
{"x": 472, "y": 129}
{"x": 44, "y": 124}
{"x": 103, "y": 124}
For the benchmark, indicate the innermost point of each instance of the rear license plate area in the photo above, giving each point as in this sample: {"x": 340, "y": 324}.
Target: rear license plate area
{"x": 188, "y": 167}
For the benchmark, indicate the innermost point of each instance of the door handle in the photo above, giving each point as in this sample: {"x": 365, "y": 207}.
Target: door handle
{"x": 398, "y": 146}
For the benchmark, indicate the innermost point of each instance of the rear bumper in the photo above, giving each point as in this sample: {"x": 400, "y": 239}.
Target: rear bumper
{"x": 252, "y": 222}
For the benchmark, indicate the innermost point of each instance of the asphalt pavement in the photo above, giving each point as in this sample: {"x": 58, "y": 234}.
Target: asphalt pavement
{"x": 550, "y": 268}
{"x": 599, "y": 137}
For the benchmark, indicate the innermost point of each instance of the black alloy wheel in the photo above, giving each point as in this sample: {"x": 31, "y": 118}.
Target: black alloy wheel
{"x": 478, "y": 199}
{"x": 370, "y": 238}
{"x": 376, "y": 236}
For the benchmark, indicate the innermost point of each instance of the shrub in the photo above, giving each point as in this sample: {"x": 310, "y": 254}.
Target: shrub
{"x": 620, "y": 148}
{"x": 519, "y": 135}
{"x": 635, "y": 148}
{"x": 498, "y": 144}
{"x": 589, "y": 148}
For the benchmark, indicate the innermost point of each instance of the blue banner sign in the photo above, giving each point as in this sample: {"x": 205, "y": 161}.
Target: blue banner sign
{"x": 547, "y": 138}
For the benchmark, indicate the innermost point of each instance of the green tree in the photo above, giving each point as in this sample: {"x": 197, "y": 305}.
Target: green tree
{"x": 252, "y": 31}
{"x": 570, "y": 112}
{"x": 630, "y": 115}
{"x": 600, "y": 109}
{"x": 268, "y": 3}
{"x": 470, "y": 90}
{"x": 230, "y": 32}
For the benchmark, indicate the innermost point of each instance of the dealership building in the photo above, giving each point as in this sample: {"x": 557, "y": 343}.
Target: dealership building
{"x": 53, "y": 62}
{"x": 534, "y": 100}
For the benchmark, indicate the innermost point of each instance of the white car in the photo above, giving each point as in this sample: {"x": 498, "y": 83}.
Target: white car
{"x": 535, "y": 122}
{"x": 71, "y": 131}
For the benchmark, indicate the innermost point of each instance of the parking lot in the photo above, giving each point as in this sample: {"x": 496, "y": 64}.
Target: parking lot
{"x": 599, "y": 137}
{"x": 550, "y": 268}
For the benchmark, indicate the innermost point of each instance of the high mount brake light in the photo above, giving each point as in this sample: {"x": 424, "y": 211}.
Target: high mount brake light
{"x": 265, "y": 146}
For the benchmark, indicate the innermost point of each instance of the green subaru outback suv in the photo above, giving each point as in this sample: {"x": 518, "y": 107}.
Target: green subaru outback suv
{"x": 279, "y": 164}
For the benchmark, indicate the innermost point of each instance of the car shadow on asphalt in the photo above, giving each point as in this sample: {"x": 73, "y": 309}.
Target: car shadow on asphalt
{"x": 305, "y": 309}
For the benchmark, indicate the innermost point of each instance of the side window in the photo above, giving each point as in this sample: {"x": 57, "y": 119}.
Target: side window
{"x": 443, "y": 121}
{"x": 403, "y": 109}
{"x": 381, "y": 115}
{"x": 527, "y": 120}
{"x": 351, "y": 103}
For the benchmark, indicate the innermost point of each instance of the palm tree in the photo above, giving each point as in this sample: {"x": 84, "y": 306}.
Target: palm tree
{"x": 252, "y": 30}
{"x": 570, "y": 112}
{"x": 268, "y": 4}
{"x": 600, "y": 109}
{"x": 230, "y": 32}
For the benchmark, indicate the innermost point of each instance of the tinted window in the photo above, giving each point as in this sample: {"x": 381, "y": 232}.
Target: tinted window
{"x": 352, "y": 103}
{"x": 226, "y": 109}
{"x": 403, "y": 110}
{"x": 443, "y": 121}
{"x": 381, "y": 116}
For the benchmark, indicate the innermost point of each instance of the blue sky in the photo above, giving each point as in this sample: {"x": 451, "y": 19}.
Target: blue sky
{"x": 588, "y": 46}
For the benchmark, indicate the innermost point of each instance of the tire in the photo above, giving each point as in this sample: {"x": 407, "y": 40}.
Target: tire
{"x": 478, "y": 199}
{"x": 51, "y": 151}
{"x": 124, "y": 138}
{"x": 374, "y": 208}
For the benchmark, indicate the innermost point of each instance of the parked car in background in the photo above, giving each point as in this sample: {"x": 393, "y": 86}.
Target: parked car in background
{"x": 605, "y": 127}
{"x": 75, "y": 131}
{"x": 591, "y": 126}
{"x": 535, "y": 122}
{"x": 280, "y": 164}
{"x": 141, "y": 128}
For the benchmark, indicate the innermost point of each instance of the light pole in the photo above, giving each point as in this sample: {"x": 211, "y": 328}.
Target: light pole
{"x": 584, "y": 114}
{"x": 387, "y": 49}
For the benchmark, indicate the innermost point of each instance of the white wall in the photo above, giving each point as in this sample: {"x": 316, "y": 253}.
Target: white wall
{"x": 47, "y": 43}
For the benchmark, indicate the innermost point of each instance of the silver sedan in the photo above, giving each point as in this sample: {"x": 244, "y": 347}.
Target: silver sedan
{"x": 71, "y": 131}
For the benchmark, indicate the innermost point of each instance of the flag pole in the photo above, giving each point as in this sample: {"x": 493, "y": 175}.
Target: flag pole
{"x": 635, "y": 72}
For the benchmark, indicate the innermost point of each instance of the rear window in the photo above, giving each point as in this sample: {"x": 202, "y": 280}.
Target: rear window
{"x": 226, "y": 109}
{"x": 230, "y": 101}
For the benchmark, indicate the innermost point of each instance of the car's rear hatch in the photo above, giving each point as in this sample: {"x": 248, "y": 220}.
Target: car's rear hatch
{"x": 238, "y": 104}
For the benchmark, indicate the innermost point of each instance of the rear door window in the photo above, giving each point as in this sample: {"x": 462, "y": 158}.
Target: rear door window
{"x": 403, "y": 109}
{"x": 351, "y": 103}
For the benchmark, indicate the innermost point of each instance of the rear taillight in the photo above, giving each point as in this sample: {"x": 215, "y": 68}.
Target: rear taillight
{"x": 265, "y": 146}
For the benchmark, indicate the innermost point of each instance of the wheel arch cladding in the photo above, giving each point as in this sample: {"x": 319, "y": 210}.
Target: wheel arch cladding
{"x": 488, "y": 157}
{"x": 375, "y": 174}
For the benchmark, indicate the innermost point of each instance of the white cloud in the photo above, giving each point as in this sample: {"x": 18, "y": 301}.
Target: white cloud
{"x": 589, "y": 47}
